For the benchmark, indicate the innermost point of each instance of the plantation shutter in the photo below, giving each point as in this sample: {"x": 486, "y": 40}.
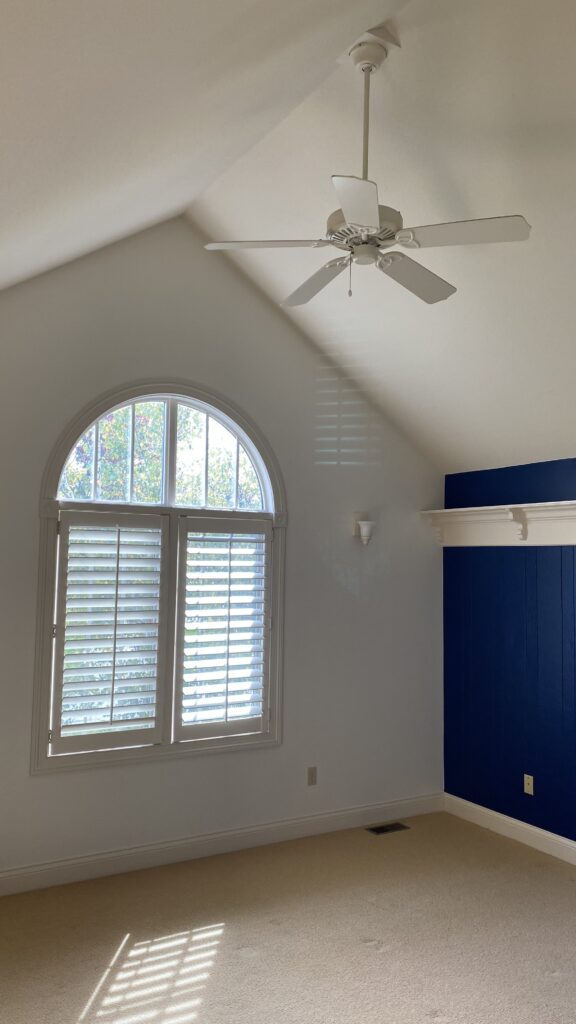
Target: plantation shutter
{"x": 109, "y": 631}
{"x": 223, "y": 635}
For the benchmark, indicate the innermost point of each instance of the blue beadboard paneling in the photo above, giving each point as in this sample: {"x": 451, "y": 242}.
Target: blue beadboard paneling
{"x": 510, "y": 637}
{"x": 539, "y": 481}
{"x": 510, "y": 657}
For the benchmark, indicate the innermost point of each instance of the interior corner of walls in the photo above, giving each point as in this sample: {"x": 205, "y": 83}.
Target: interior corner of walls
{"x": 188, "y": 218}
{"x": 512, "y": 828}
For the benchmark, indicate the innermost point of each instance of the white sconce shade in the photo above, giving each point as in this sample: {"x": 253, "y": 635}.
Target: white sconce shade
{"x": 365, "y": 528}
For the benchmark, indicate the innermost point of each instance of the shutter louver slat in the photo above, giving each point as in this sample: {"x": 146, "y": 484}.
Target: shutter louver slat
{"x": 110, "y": 630}
{"x": 223, "y": 635}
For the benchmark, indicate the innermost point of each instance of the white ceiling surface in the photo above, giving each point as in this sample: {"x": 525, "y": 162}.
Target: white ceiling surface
{"x": 115, "y": 114}
{"x": 475, "y": 116}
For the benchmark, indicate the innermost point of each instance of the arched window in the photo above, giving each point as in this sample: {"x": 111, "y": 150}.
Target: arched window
{"x": 158, "y": 450}
{"x": 164, "y": 629}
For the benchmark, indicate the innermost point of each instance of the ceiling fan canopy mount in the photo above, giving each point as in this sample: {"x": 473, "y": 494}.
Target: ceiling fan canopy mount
{"x": 368, "y": 54}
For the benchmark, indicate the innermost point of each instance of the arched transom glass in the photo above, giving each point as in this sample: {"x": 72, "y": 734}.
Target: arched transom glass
{"x": 166, "y": 450}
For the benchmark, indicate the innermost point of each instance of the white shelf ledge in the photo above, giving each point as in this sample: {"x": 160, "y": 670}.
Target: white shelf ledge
{"x": 539, "y": 524}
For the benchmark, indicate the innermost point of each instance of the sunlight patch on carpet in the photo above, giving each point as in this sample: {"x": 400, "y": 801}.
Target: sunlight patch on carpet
{"x": 155, "y": 981}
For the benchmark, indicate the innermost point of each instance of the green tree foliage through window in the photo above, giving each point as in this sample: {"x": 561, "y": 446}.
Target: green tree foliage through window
{"x": 190, "y": 456}
{"x": 77, "y": 480}
{"x": 148, "y": 463}
{"x": 124, "y": 458}
{"x": 113, "y": 456}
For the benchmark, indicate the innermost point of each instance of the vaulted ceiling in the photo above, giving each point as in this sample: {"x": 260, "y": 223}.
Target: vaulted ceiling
{"x": 116, "y": 116}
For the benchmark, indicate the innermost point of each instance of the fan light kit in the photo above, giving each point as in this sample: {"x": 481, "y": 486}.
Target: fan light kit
{"x": 365, "y": 232}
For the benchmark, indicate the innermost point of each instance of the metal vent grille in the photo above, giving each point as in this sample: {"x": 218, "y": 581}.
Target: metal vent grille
{"x": 390, "y": 826}
{"x": 352, "y": 236}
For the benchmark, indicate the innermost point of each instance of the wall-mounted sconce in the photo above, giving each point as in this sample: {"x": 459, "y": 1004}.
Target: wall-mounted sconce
{"x": 364, "y": 528}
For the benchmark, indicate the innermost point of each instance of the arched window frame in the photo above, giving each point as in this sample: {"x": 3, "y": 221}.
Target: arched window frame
{"x": 52, "y": 510}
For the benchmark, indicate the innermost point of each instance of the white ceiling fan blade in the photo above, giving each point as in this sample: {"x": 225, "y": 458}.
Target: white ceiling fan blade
{"x": 316, "y": 283}
{"x": 358, "y": 199}
{"x": 417, "y": 279}
{"x": 466, "y": 232}
{"x": 290, "y": 243}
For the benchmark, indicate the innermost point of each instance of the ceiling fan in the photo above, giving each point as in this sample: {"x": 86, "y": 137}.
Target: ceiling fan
{"x": 365, "y": 232}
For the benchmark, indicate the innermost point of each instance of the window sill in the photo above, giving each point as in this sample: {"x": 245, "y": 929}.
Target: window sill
{"x": 157, "y": 752}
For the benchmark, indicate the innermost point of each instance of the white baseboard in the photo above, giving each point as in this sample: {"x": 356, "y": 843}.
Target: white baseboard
{"x": 530, "y": 835}
{"x": 112, "y": 862}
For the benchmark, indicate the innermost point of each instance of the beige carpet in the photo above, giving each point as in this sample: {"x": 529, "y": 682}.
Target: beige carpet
{"x": 442, "y": 923}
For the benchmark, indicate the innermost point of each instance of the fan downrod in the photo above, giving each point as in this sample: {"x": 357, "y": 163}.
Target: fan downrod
{"x": 367, "y": 55}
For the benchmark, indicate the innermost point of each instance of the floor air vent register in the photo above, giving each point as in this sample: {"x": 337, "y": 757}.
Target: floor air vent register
{"x": 390, "y": 826}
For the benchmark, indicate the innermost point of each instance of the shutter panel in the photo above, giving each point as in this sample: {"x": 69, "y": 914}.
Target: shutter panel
{"x": 109, "y": 631}
{"x": 223, "y": 627}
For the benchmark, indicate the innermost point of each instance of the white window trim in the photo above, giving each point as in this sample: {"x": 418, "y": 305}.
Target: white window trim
{"x": 50, "y": 509}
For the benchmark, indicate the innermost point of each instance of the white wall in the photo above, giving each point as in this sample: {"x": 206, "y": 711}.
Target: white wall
{"x": 362, "y": 691}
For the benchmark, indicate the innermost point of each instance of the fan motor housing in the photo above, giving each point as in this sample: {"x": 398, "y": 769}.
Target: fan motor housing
{"x": 347, "y": 236}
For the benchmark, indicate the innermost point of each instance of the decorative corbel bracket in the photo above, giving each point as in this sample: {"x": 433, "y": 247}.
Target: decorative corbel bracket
{"x": 519, "y": 517}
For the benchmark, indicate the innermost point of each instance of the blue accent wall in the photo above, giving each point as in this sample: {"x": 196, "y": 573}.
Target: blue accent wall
{"x": 510, "y": 668}
{"x": 539, "y": 481}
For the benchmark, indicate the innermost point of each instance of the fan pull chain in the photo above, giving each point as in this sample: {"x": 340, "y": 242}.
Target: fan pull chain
{"x": 350, "y": 277}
